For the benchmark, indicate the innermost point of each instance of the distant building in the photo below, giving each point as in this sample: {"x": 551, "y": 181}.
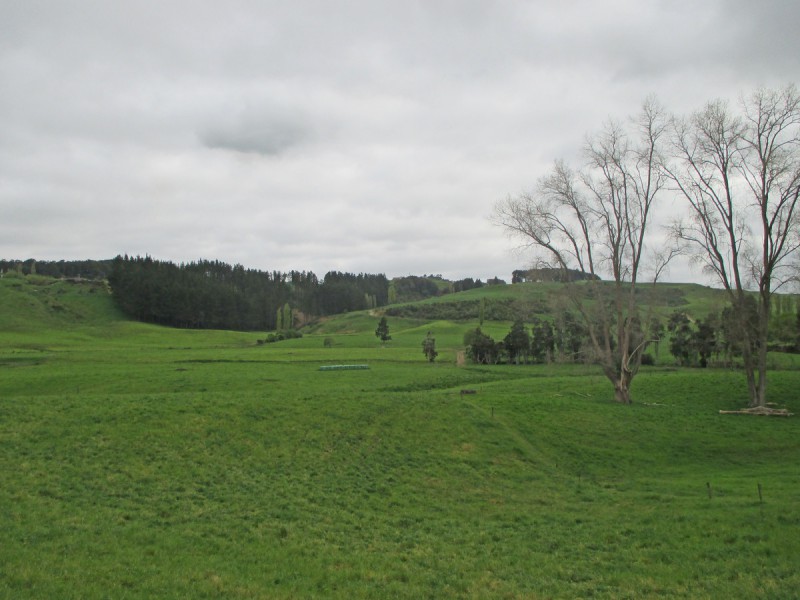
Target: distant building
{"x": 550, "y": 276}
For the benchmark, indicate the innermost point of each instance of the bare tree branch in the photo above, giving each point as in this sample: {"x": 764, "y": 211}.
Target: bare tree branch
{"x": 740, "y": 176}
{"x": 596, "y": 221}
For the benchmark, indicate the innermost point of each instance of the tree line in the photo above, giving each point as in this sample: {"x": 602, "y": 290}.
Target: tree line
{"x": 716, "y": 339}
{"x": 562, "y": 339}
{"x": 216, "y": 295}
{"x": 70, "y": 269}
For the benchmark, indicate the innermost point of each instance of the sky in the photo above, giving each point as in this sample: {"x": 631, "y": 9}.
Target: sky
{"x": 361, "y": 136}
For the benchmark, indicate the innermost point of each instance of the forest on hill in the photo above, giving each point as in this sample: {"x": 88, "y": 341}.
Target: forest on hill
{"x": 215, "y": 295}
{"x": 210, "y": 294}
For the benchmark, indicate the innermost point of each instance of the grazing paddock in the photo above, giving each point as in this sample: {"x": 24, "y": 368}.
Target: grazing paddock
{"x": 140, "y": 462}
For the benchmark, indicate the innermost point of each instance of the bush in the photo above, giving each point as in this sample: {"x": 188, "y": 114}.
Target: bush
{"x": 289, "y": 334}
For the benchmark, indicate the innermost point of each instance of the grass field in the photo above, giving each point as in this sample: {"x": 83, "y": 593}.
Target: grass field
{"x": 140, "y": 462}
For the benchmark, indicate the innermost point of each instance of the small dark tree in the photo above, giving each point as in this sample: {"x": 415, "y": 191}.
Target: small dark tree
{"x": 570, "y": 335}
{"x": 543, "y": 343}
{"x": 680, "y": 343}
{"x": 429, "y": 347}
{"x": 704, "y": 340}
{"x": 481, "y": 348}
{"x": 382, "y": 331}
{"x": 518, "y": 342}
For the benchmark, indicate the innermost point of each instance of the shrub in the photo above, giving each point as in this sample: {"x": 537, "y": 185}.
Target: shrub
{"x": 289, "y": 334}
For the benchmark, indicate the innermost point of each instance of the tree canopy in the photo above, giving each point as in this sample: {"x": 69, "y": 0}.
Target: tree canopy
{"x": 213, "y": 294}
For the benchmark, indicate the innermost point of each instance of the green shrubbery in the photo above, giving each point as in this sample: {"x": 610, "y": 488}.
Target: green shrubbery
{"x": 287, "y": 334}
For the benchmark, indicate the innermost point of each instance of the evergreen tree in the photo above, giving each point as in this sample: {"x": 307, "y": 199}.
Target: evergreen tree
{"x": 429, "y": 347}
{"x": 704, "y": 340}
{"x": 382, "y": 330}
{"x": 570, "y": 334}
{"x": 680, "y": 343}
{"x": 518, "y": 342}
{"x": 481, "y": 348}
{"x": 543, "y": 341}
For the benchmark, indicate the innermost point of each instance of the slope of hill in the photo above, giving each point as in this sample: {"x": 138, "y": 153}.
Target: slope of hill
{"x": 35, "y": 302}
{"x": 526, "y": 300}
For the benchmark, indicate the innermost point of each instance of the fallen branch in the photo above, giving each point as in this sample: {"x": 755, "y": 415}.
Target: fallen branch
{"x": 759, "y": 410}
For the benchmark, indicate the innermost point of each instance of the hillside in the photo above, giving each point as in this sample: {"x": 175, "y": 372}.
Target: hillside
{"x": 215, "y": 295}
{"x": 37, "y": 302}
{"x": 507, "y": 302}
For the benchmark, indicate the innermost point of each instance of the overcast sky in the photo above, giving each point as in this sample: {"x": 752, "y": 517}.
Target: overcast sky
{"x": 363, "y": 136}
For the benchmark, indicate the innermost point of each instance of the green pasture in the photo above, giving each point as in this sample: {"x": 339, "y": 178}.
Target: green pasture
{"x": 139, "y": 462}
{"x": 542, "y": 298}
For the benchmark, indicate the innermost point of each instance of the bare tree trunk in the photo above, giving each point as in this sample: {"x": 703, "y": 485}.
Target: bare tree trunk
{"x": 750, "y": 375}
{"x": 621, "y": 382}
{"x": 622, "y": 392}
{"x": 760, "y": 397}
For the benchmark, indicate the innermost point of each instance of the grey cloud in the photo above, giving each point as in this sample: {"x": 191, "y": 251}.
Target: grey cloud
{"x": 266, "y": 136}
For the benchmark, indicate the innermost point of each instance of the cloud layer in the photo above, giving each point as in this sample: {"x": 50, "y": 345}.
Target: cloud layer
{"x": 368, "y": 137}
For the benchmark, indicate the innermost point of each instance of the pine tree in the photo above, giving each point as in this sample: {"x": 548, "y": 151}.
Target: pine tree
{"x": 429, "y": 347}
{"x": 382, "y": 330}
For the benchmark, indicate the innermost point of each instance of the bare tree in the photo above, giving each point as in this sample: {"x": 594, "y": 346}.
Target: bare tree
{"x": 596, "y": 221}
{"x": 740, "y": 176}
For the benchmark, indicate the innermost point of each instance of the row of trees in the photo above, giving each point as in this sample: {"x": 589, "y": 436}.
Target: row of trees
{"x": 216, "y": 295}
{"x": 692, "y": 342}
{"x": 733, "y": 175}
{"x": 563, "y": 339}
{"x": 78, "y": 269}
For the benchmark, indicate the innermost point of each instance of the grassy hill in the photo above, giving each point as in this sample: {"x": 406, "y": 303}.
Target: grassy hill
{"x": 138, "y": 461}
{"x": 34, "y": 302}
{"x": 505, "y": 302}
